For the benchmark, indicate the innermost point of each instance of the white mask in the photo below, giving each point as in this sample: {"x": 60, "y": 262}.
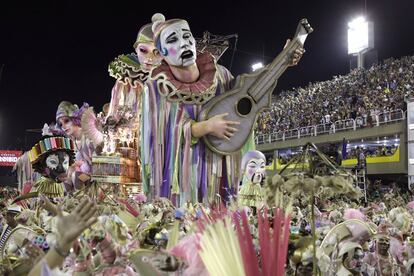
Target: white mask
{"x": 255, "y": 170}
{"x": 178, "y": 45}
{"x": 52, "y": 161}
{"x": 57, "y": 164}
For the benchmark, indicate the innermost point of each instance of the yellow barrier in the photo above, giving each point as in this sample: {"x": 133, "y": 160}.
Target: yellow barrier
{"x": 345, "y": 163}
{"x": 375, "y": 160}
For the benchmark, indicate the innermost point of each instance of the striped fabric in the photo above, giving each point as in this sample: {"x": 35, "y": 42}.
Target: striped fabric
{"x": 4, "y": 236}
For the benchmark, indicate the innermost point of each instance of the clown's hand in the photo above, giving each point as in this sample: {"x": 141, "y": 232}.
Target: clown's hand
{"x": 297, "y": 54}
{"x": 71, "y": 226}
{"x": 222, "y": 128}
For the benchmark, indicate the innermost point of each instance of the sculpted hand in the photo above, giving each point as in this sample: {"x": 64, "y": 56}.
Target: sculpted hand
{"x": 45, "y": 203}
{"x": 220, "y": 127}
{"x": 297, "y": 54}
{"x": 71, "y": 226}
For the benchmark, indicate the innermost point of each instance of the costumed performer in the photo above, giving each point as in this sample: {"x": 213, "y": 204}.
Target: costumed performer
{"x": 10, "y": 223}
{"x": 130, "y": 72}
{"x": 351, "y": 256}
{"x": 51, "y": 157}
{"x": 16, "y": 256}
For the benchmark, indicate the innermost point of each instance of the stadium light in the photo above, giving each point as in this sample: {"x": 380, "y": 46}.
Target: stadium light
{"x": 360, "y": 38}
{"x": 257, "y": 66}
{"x": 357, "y": 35}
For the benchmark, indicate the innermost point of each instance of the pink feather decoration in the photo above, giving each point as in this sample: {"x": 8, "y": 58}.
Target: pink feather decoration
{"x": 353, "y": 214}
{"x": 410, "y": 205}
{"x": 187, "y": 250}
{"x": 397, "y": 249}
{"x": 251, "y": 265}
{"x": 273, "y": 244}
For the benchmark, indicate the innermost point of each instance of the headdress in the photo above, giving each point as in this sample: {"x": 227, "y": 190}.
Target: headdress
{"x": 50, "y": 144}
{"x": 347, "y": 247}
{"x": 14, "y": 209}
{"x": 145, "y": 35}
{"x": 67, "y": 109}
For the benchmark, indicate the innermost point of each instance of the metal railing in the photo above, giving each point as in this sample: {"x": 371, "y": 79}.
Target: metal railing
{"x": 333, "y": 127}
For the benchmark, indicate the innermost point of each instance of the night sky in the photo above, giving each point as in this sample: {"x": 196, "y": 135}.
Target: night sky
{"x": 60, "y": 50}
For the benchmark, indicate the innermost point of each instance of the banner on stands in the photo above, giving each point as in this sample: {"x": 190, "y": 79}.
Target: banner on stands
{"x": 9, "y": 157}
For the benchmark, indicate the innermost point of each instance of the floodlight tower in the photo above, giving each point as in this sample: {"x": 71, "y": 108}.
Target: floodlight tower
{"x": 360, "y": 38}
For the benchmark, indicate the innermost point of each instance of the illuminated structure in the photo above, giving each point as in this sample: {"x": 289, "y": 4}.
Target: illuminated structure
{"x": 360, "y": 38}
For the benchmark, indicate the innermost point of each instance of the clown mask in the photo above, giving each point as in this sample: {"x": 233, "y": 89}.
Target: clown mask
{"x": 57, "y": 164}
{"x": 255, "y": 170}
{"x": 147, "y": 55}
{"x": 178, "y": 45}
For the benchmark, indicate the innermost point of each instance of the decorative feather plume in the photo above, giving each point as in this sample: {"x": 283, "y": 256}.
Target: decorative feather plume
{"x": 228, "y": 252}
{"x": 220, "y": 249}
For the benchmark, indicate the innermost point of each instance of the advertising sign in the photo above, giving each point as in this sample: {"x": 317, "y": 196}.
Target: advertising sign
{"x": 9, "y": 157}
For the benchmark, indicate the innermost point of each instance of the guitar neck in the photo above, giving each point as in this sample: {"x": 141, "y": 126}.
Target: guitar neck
{"x": 273, "y": 71}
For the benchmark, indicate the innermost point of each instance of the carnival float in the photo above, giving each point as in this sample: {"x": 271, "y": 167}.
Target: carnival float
{"x": 165, "y": 180}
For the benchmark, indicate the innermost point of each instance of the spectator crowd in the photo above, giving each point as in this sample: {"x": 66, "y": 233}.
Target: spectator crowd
{"x": 362, "y": 94}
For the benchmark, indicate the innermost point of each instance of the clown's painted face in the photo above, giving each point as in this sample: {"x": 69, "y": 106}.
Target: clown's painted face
{"x": 57, "y": 164}
{"x": 68, "y": 126}
{"x": 255, "y": 170}
{"x": 147, "y": 55}
{"x": 178, "y": 45}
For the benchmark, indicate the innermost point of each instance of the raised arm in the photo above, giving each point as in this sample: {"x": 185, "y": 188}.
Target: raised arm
{"x": 68, "y": 229}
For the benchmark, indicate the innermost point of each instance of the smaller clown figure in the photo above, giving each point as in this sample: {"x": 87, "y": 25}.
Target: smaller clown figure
{"x": 68, "y": 119}
{"x": 253, "y": 166}
{"x": 131, "y": 72}
{"x": 51, "y": 157}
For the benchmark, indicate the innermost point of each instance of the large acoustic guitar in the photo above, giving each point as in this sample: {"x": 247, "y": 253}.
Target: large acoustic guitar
{"x": 251, "y": 94}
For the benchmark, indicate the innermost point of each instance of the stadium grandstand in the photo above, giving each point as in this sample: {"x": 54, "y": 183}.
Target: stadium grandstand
{"x": 362, "y": 112}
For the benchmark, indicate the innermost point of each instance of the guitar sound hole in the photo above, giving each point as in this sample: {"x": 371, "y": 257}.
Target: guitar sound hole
{"x": 244, "y": 106}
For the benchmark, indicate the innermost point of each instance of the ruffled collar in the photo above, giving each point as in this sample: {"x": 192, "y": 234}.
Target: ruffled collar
{"x": 206, "y": 64}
